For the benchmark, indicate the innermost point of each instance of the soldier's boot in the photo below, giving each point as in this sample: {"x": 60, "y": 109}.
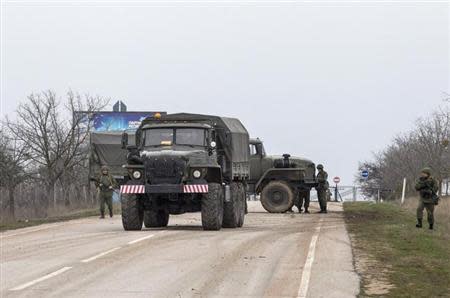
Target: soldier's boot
{"x": 110, "y": 213}
{"x": 306, "y": 211}
{"x": 431, "y": 226}
{"x": 325, "y": 211}
{"x": 102, "y": 215}
{"x": 419, "y": 223}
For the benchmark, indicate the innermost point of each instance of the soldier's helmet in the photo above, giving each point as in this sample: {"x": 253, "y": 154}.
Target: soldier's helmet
{"x": 320, "y": 167}
{"x": 426, "y": 171}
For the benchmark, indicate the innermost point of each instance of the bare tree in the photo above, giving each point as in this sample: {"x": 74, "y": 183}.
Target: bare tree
{"x": 432, "y": 142}
{"x": 426, "y": 145}
{"x": 13, "y": 164}
{"x": 54, "y": 135}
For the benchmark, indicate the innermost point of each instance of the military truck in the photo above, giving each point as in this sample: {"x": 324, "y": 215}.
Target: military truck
{"x": 279, "y": 180}
{"x": 186, "y": 163}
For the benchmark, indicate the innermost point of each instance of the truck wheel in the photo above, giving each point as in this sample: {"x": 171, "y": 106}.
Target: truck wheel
{"x": 242, "y": 205}
{"x": 132, "y": 212}
{"x": 277, "y": 197}
{"x": 156, "y": 218}
{"x": 231, "y": 209}
{"x": 212, "y": 208}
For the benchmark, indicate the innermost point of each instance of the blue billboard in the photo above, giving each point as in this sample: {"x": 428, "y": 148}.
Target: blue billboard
{"x": 117, "y": 121}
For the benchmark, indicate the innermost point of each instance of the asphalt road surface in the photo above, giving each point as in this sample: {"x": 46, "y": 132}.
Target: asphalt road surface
{"x": 273, "y": 255}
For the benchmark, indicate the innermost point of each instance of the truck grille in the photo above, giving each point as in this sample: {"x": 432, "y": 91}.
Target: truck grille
{"x": 161, "y": 170}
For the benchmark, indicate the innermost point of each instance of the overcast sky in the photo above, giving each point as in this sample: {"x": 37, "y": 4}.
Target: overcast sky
{"x": 332, "y": 81}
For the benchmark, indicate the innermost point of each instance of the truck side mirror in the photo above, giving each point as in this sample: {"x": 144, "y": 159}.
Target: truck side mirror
{"x": 124, "y": 140}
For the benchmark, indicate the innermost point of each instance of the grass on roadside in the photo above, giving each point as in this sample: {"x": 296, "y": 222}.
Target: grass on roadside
{"x": 24, "y": 223}
{"x": 414, "y": 262}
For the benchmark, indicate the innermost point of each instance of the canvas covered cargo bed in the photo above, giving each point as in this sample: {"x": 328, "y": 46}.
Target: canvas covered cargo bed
{"x": 106, "y": 149}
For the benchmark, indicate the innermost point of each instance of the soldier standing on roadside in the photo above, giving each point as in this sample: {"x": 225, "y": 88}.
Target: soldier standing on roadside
{"x": 105, "y": 185}
{"x": 322, "y": 188}
{"x": 427, "y": 187}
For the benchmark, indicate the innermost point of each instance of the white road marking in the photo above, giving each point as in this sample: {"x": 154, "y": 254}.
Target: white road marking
{"x": 4, "y": 235}
{"x": 45, "y": 277}
{"x": 141, "y": 239}
{"x": 100, "y": 255}
{"x": 306, "y": 274}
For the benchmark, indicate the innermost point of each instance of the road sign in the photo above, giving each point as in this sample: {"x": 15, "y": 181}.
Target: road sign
{"x": 336, "y": 180}
{"x": 365, "y": 174}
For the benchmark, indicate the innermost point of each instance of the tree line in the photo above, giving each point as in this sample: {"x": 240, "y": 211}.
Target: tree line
{"x": 426, "y": 145}
{"x": 44, "y": 153}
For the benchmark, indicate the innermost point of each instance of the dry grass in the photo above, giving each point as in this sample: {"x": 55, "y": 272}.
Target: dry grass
{"x": 441, "y": 212}
{"x": 53, "y": 217}
{"x": 393, "y": 257}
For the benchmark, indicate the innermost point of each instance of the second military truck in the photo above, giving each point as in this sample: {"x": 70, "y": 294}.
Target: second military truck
{"x": 186, "y": 163}
{"x": 279, "y": 180}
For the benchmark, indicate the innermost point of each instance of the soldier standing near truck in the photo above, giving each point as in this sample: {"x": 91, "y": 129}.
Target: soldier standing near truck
{"x": 427, "y": 187}
{"x": 105, "y": 184}
{"x": 304, "y": 200}
{"x": 322, "y": 188}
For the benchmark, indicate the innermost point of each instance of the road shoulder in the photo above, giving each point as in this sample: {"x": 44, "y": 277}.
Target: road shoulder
{"x": 333, "y": 272}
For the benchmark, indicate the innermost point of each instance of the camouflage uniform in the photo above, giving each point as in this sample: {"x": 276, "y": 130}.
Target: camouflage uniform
{"x": 303, "y": 200}
{"x": 322, "y": 188}
{"x": 105, "y": 185}
{"x": 427, "y": 187}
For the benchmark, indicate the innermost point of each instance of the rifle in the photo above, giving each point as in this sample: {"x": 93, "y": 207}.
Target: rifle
{"x": 435, "y": 198}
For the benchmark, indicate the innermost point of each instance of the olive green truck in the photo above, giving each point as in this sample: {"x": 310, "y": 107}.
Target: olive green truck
{"x": 178, "y": 163}
{"x": 279, "y": 180}
{"x": 186, "y": 163}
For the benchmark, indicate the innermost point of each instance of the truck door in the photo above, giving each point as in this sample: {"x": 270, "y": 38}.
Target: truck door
{"x": 255, "y": 162}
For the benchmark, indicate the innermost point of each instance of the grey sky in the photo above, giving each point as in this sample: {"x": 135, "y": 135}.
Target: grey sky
{"x": 332, "y": 82}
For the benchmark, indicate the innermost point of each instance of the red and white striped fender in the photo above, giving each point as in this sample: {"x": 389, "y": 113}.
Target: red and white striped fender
{"x": 195, "y": 188}
{"x": 132, "y": 189}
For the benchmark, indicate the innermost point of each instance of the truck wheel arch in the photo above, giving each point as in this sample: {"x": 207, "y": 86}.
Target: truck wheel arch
{"x": 281, "y": 174}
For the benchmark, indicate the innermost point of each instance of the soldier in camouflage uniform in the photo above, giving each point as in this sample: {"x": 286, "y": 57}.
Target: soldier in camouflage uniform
{"x": 105, "y": 185}
{"x": 427, "y": 187}
{"x": 303, "y": 200}
{"x": 322, "y": 188}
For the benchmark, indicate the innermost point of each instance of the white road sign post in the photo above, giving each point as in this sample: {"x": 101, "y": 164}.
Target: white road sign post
{"x": 336, "y": 181}
{"x": 404, "y": 190}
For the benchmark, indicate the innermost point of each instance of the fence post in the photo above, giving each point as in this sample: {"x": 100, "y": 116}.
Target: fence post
{"x": 354, "y": 193}
{"x": 404, "y": 190}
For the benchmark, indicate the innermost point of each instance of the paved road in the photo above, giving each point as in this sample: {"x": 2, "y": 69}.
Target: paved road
{"x": 274, "y": 255}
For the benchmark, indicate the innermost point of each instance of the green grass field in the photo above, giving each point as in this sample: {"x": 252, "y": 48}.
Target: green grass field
{"x": 393, "y": 257}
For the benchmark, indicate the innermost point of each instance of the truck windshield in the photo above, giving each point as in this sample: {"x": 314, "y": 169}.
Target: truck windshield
{"x": 179, "y": 136}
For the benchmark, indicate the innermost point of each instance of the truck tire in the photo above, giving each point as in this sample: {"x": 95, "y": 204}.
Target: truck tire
{"x": 212, "y": 208}
{"x": 231, "y": 209}
{"x": 242, "y": 205}
{"x": 277, "y": 197}
{"x": 132, "y": 212}
{"x": 156, "y": 218}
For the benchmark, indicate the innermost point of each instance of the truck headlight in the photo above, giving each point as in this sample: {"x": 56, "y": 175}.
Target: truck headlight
{"x": 196, "y": 174}
{"x": 137, "y": 175}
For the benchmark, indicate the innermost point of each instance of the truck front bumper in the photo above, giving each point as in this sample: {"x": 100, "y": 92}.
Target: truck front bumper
{"x": 164, "y": 188}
